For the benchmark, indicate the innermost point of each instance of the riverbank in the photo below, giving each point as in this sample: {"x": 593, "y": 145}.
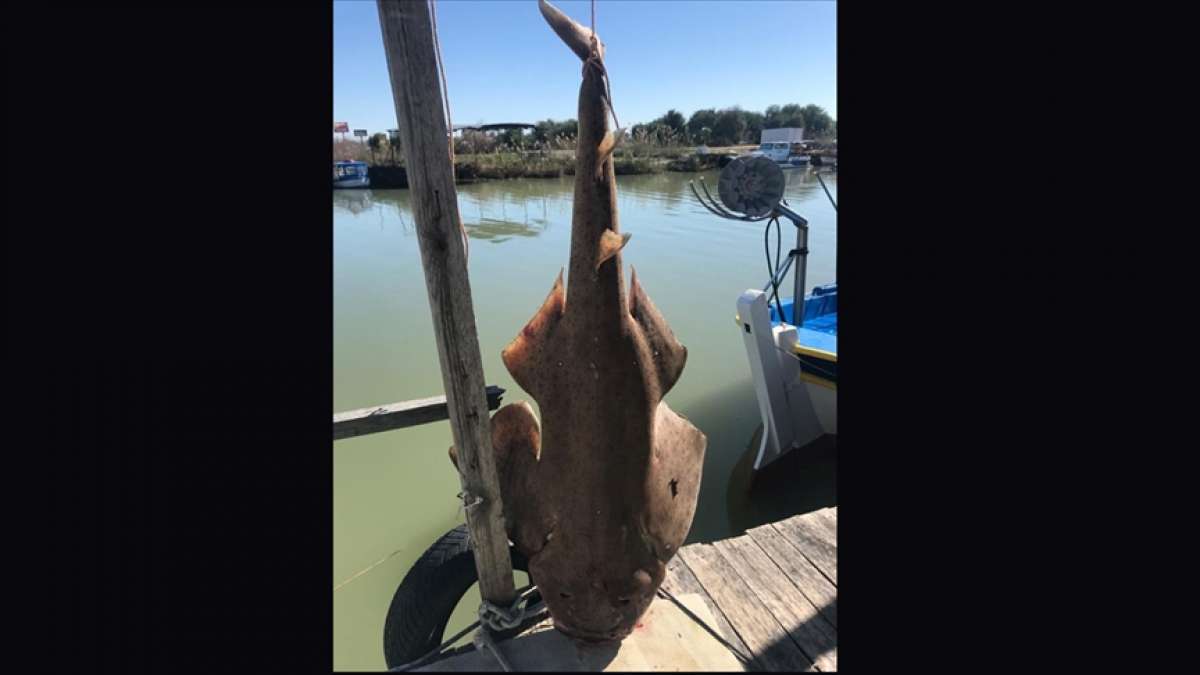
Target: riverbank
{"x": 556, "y": 163}
{"x": 496, "y": 166}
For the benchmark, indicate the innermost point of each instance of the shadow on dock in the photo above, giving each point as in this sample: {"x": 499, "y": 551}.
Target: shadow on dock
{"x": 783, "y": 649}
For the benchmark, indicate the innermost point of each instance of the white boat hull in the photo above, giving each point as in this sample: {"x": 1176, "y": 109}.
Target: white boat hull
{"x": 796, "y": 408}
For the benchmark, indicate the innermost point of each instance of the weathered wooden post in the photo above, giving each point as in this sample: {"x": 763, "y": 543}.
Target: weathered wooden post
{"x": 412, "y": 66}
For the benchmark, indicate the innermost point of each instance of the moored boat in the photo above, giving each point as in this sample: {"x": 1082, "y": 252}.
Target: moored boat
{"x": 350, "y": 174}
{"x": 791, "y": 343}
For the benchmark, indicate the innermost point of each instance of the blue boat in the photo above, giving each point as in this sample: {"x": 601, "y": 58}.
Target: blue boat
{"x": 794, "y": 368}
{"x": 350, "y": 174}
{"x": 793, "y": 354}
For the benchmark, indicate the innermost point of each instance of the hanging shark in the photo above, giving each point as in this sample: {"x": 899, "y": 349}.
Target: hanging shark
{"x": 601, "y": 494}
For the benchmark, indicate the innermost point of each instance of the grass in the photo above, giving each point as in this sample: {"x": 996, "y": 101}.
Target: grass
{"x": 632, "y": 156}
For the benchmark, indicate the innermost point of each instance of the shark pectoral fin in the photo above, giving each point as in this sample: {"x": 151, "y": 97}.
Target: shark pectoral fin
{"x": 610, "y": 244}
{"x": 517, "y": 446}
{"x": 611, "y": 140}
{"x": 673, "y": 484}
{"x": 526, "y": 355}
{"x": 578, "y": 38}
{"x": 668, "y": 354}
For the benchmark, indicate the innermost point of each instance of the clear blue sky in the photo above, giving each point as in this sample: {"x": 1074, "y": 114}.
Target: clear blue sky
{"x": 504, "y": 64}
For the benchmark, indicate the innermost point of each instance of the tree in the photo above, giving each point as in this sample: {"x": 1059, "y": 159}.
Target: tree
{"x": 817, "y": 122}
{"x": 376, "y": 142}
{"x": 700, "y": 125}
{"x": 674, "y": 121}
{"x": 771, "y": 117}
{"x": 728, "y": 127}
{"x": 393, "y": 143}
{"x": 512, "y": 137}
{"x": 754, "y": 126}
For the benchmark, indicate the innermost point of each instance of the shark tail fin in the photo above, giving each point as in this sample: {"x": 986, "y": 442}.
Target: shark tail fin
{"x": 668, "y": 354}
{"x": 578, "y": 38}
{"x": 611, "y": 243}
{"x": 526, "y": 355}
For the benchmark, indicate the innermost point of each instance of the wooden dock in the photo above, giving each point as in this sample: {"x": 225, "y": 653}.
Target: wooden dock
{"x": 771, "y": 593}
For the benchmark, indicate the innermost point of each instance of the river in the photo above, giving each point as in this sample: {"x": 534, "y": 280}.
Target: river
{"x": 395, "y": 492}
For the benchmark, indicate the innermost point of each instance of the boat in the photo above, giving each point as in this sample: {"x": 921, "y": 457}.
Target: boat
{"x": 786, "y": 155}
{"x": 350, "y": 174}
{"x": 791, "y": 345}
{"x": 793, "y": 363}
{"x": 786, "y": 147}
{"x": 825, "y": 160}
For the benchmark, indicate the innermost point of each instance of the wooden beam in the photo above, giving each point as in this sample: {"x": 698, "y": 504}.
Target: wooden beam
{"x": 399, "y": 415}
{"x": 417, "y": 93}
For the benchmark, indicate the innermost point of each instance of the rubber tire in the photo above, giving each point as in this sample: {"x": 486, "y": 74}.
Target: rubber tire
{"x": 421, "y": 608}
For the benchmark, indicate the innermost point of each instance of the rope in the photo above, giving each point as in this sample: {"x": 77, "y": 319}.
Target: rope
{"x": 772, "y": 270}
{"x": 522, "y": 594}
{"x": 663, "y": 593}
{"x": 594, "y": 60}
{"x": 822, "y": 182}
{"x": 368, "y": 568}
{"x": 483, "y": 640}
{"x": 449, "y": 122}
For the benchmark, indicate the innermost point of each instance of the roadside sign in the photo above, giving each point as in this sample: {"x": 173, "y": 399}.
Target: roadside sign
{"x": 360, "y": 132}
{"x": 341, "y": 127}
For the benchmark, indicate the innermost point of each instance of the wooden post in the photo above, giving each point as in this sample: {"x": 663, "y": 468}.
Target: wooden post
{"x": 417, "y": 92}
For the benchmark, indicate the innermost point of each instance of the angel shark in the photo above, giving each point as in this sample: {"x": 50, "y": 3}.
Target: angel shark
{"x": 601, "y": 494}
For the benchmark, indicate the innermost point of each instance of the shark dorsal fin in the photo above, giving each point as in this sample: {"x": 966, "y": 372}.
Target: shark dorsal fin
{"x": 611, "y": 243}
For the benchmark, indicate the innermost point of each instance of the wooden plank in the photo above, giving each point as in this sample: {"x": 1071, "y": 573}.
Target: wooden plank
{"x": 666, "y": 639}
{"x": 819, "y": 553}
{"x": 799, "y": 570}
{"x": 420, "y": 114}
{"x": 390, "y": 416}
{"x": 823, "y": 525}
{"x": 770, "y": 644}
{"x": 813, "y": 633}
{"x": 680, "y": 581}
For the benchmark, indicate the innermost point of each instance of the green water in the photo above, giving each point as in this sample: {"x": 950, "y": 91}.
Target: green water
{"x": 394, "y": 492}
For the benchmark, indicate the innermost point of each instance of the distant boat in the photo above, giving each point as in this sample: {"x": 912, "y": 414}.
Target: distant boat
{"x": 824, "y": 160}
{"x": 350, "y": 174}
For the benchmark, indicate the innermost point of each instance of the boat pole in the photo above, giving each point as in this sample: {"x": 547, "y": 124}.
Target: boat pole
{"x": 801, "y": 273}
{"x": 408, "y": 42}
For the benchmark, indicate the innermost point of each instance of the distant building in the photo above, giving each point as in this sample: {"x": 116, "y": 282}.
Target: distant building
{"x": 491, "y": 128}
{"x": 783, "y": 135}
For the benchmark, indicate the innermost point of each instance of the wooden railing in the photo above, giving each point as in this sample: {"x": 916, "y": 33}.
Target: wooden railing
{"x": 399, "y": 415}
